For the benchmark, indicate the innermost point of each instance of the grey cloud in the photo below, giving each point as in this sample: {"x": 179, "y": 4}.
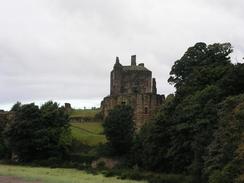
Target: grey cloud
{"x": 64, "y": 50}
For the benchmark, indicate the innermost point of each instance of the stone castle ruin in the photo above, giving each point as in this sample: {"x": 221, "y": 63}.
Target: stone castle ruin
{"x": 133, "y": 85}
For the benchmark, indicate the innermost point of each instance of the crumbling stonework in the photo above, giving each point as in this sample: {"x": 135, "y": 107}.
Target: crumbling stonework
{"x": 133, "y": 85}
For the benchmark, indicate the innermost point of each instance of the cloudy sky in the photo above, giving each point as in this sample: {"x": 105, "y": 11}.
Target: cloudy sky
{"x": 64, "y": 49}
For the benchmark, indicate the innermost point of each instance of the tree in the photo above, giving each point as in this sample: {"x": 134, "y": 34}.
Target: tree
{"x": 179, "y": 135}
{"x": 21, "y": 132}
{"x": 197, "y": 77}
{"x": 3, "y": 122}
{"x": 16, "y": 107}
{"x": 153, "y": 141}
{"x": 55, "y": 127}
{"x": 224, "y": 153}
{"x": 38, "y": 134}
{"x": 119, "y": 129}
{"x": 232, "y": 82}
{"x": 201, "y": 65}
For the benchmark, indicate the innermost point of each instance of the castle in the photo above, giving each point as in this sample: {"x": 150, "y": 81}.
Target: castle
{"x": 133, "y": 85}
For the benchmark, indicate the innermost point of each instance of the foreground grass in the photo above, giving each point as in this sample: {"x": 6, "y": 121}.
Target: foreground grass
{"x": 47, "y": 175}
{"x": 92, "y": 137}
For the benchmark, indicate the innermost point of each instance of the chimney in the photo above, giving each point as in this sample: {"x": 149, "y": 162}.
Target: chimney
{"x": 117, "y": 60}
{"x": 133, "y": 60}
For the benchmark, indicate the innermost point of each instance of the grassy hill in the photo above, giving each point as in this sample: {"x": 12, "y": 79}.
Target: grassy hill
{"x": 89, "y": 133}
{"x": 58, "y": 175}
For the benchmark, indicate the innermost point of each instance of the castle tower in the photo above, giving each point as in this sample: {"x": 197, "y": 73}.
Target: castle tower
{"x": 133, "y": 85}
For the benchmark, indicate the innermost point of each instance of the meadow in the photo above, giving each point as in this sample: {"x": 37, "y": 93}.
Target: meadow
{"x": 57, "y": 175}
{"x": 88, "y": 133}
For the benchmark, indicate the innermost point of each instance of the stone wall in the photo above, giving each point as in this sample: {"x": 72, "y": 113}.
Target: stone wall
{"x": 144, "y": 105}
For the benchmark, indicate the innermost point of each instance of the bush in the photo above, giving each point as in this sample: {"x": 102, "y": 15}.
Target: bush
{"x": 216, "y": 177}
{"x": 82, "y": 158}
{"x": 2, "y": 151}
{"x": 227, "y": 175}
{"x": 137, "y": 174}
{"x": 171, "y": 178}
{"x": 132, "y": 174}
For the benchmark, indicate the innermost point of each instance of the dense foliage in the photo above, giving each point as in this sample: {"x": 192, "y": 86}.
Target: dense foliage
{"x": 38, "y": 133}
{"x": 223, "y": 160}
{"x": 198, "y": 130}
{"x": 119, "y": 129}
{"x": 3, "y": 148}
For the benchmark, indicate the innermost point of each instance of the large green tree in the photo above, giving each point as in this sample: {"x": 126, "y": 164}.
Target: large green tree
{"x": 55, "y": 127}
{"x": 21, "y": 132}
{"x": 201, "y": 65}
{"x": 150, "y": 149}
{"x": 38, "y": 134}
{"x": 119, "y": 129}
{"x": 183, "y": 129}
{"x": 224, "y": 149}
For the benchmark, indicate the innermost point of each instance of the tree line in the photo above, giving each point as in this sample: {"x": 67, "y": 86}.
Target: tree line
{"x": 35, "y": 134}
{"x": 199, "y": 130}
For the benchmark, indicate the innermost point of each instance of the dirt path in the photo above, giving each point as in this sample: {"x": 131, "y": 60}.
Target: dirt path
{"x": 7, "y": 179}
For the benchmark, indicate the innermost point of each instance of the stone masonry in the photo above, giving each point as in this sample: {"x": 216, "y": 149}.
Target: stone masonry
{"x": 133, "y": 85}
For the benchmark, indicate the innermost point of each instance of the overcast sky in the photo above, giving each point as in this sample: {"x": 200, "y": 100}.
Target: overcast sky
{"x": 64, "y": 50}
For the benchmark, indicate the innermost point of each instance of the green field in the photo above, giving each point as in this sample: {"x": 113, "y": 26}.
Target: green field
{"x": 89, "y": 133}
{"x": 47, "y": 175}
{"x": 84, "y": 113}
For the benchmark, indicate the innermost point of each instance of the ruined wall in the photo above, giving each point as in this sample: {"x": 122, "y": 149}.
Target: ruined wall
{"x": 136, "y": 82}
{"x": 144, "y": 105}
